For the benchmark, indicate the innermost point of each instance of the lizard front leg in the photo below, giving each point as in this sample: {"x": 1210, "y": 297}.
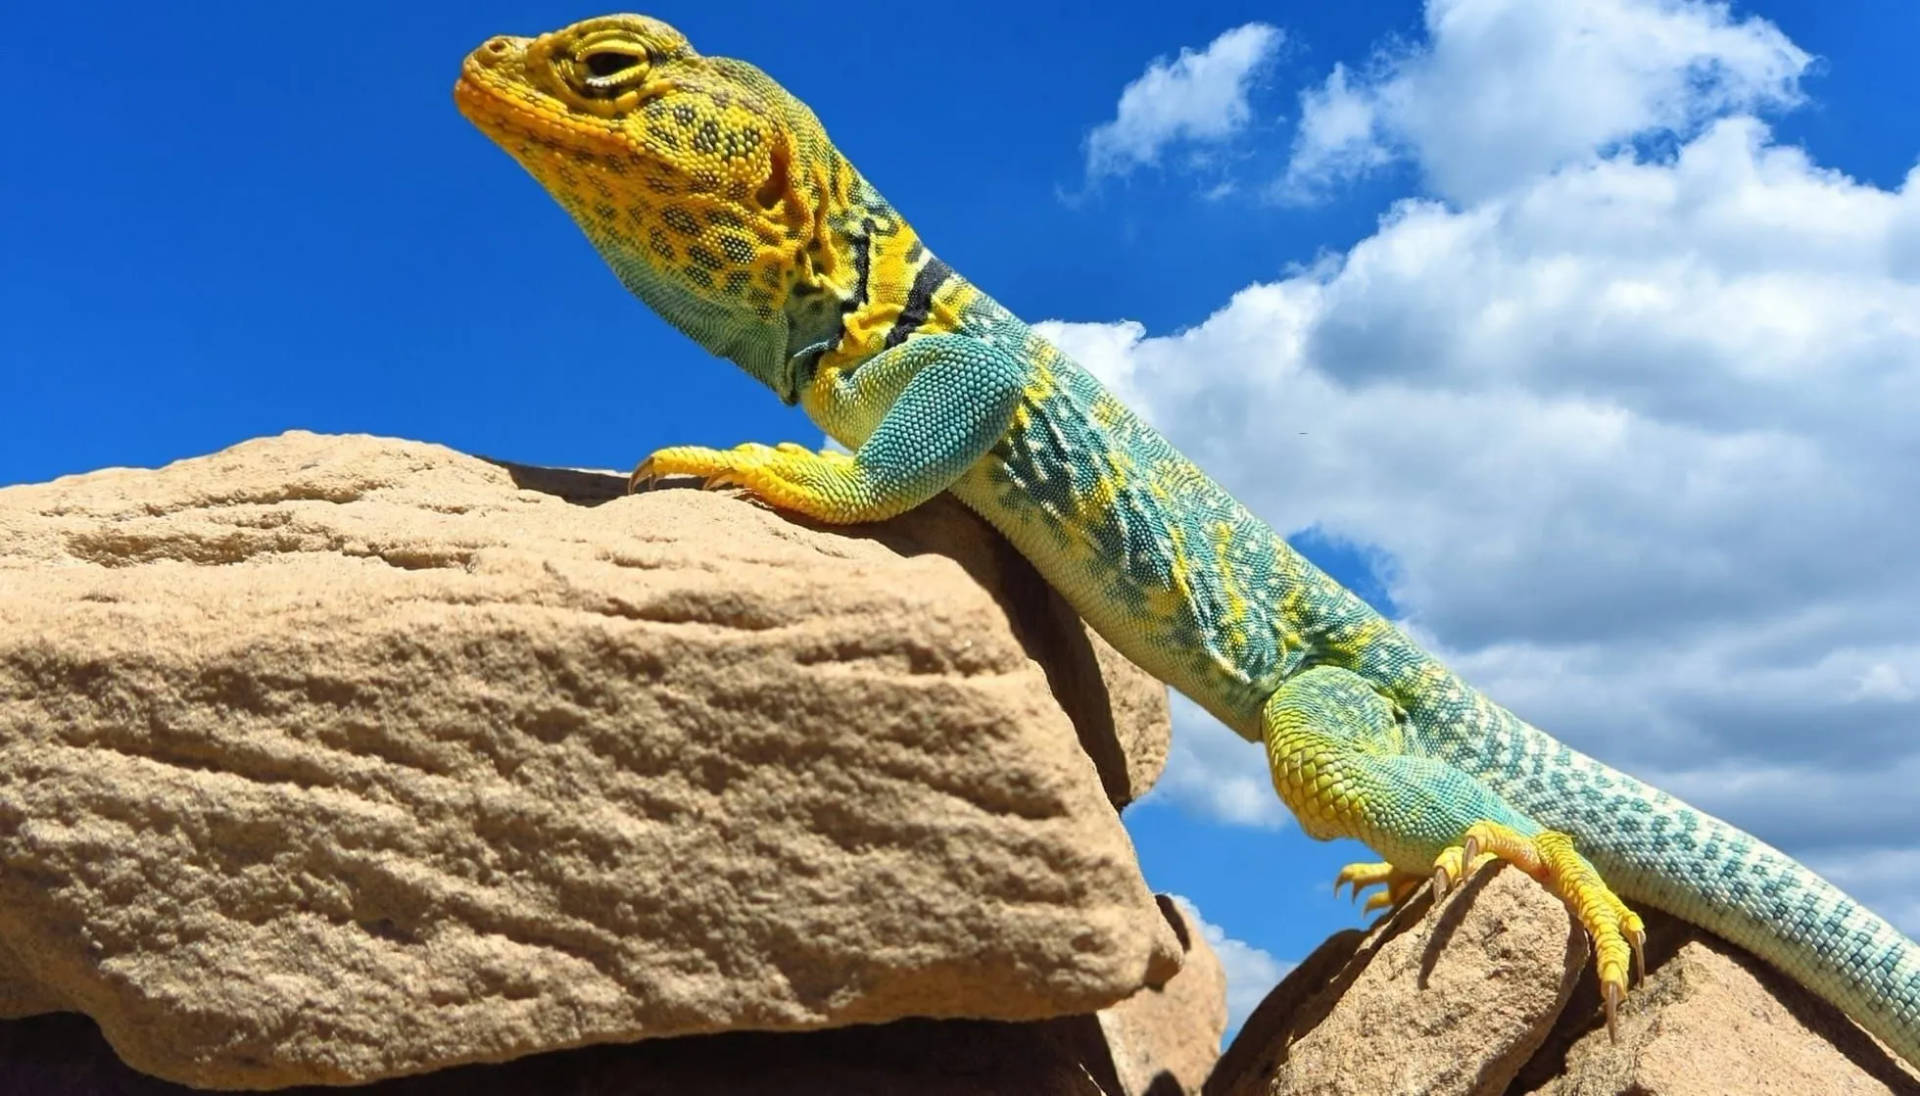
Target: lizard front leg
{"x": 1336, "y": 748}
{"x": 941, "y": 402}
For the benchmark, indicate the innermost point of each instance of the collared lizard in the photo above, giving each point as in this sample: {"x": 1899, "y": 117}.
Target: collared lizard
{"x": 718, "y": 200}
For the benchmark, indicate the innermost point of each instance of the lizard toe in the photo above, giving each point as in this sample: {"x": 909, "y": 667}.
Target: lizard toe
{"x": 1617, "y": 933}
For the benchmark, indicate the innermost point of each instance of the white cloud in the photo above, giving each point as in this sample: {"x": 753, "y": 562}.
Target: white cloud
{"x": 1638, "y": 436}
{"x": 1339, "y": 136}
{"x": 1251, "y": 972}
{"x": 1883, "y": 681}
{"x": 1213, "y": 770}
{"x": 1506, "y": 89}
{"x": 1196, "y": 97}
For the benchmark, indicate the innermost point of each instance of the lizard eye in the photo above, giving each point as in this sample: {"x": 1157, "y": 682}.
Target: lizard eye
{"x": 607, "y": 62}
{"x": 605, "y": 71}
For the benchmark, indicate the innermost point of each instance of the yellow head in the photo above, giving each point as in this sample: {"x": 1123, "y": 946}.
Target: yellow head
{"x": 699, "y": 179}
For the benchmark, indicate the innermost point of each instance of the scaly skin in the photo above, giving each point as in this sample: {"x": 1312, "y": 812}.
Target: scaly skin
{"x": 718, "y": 200}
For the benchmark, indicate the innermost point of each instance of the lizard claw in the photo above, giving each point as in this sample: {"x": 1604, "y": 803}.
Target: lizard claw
{"x": 1362, "y": 876}
{"x": 787, "y": 476}
{"x": 1449, "y": 867}
{"x": 1456, "y": 862}
{"x": 643, "y": 477}
{"x": 1399, "y": 885}
{"x": 1549, "y": 857}
{"x": 693, "y": 460}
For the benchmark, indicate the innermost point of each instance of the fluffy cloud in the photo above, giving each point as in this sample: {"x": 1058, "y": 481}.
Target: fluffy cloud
{"x": 1196, "y": 97}
{"x": 1637, "y": 432}
{"x": 1506, "y": 89}
{"x": 1251, "y": 972}
{"x": 1218, "y": 770}
{"x": 1341, "y": 135}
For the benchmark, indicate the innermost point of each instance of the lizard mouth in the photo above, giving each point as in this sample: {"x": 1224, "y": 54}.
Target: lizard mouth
{"x": 506, "y": 112}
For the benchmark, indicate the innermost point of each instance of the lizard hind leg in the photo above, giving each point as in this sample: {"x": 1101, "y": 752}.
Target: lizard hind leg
{"x": 1342, "y": 761}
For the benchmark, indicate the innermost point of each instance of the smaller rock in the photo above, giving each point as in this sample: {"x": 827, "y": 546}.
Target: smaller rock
{"x": 1495, "y": 996}
{"x": 1166, "y": 1039}
{"x": 1709, "y": 1020}
{"x": 1453, "y": 1003}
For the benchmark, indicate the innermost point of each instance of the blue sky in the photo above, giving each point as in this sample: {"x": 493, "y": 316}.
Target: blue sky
{"x": 1587, "y": 368}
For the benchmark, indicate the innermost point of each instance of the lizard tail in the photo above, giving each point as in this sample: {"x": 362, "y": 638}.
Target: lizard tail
{"x": 1653, "y": 848}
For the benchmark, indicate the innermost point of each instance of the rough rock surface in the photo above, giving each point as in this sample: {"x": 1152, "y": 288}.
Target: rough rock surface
{"x": 331, "y": 758}
{"x": 1494, "y": 996}
{"x": 1450, "y": 1004}
{"x": 1157, "y": 1043}
{"x": 1710, "y": 1020}
{"x": 1166, "y": 1039}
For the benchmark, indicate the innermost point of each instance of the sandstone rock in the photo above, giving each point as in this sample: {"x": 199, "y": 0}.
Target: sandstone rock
{"x": 1495, "y": 995}
{"x": 330, "y": 758}
{"x": 1119, "y": 710}
{"x": 1156, "y": 1043}
{"x": 1452, "y": 1003}
{"x": 1709, "y": 1020}
{"x": 1165, "y": 1039}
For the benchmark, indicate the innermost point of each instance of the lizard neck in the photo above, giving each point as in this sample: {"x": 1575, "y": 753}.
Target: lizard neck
{"x": 876, "y": 282}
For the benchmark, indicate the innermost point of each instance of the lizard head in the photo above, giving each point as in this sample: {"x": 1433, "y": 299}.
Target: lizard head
{"x": 697, "y": 178}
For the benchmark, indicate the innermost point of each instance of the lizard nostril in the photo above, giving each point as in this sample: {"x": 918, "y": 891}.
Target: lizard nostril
{"x": 491, "y": 52}
{"x": 495, "y": 50}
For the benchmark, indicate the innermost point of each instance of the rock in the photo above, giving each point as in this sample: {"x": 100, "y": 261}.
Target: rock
{"x": 1119, "y": 710}
{"x": 1156, "y": 1043}
{"x": 1247, "y": 1065}
{"x": 1496, "y": 995}
{"x": 1453, "y": 1003}
{"x": 1712, "y": 1019}
{"x": 324, "y": 759}
{"x": 1166, "y": 1039}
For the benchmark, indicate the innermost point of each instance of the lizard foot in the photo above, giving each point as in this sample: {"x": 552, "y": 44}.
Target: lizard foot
{"x": 1400, "y": 884}
{"x": 778, "y": 473}
{"x": 1548, "y": 856}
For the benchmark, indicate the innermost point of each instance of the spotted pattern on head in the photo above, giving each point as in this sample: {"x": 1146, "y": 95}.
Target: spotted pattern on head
{"x": 713, "y": 193}
{"x": 701, "y": 181}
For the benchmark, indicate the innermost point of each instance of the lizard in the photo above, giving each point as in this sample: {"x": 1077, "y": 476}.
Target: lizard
{"x": 718, "y": 200}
